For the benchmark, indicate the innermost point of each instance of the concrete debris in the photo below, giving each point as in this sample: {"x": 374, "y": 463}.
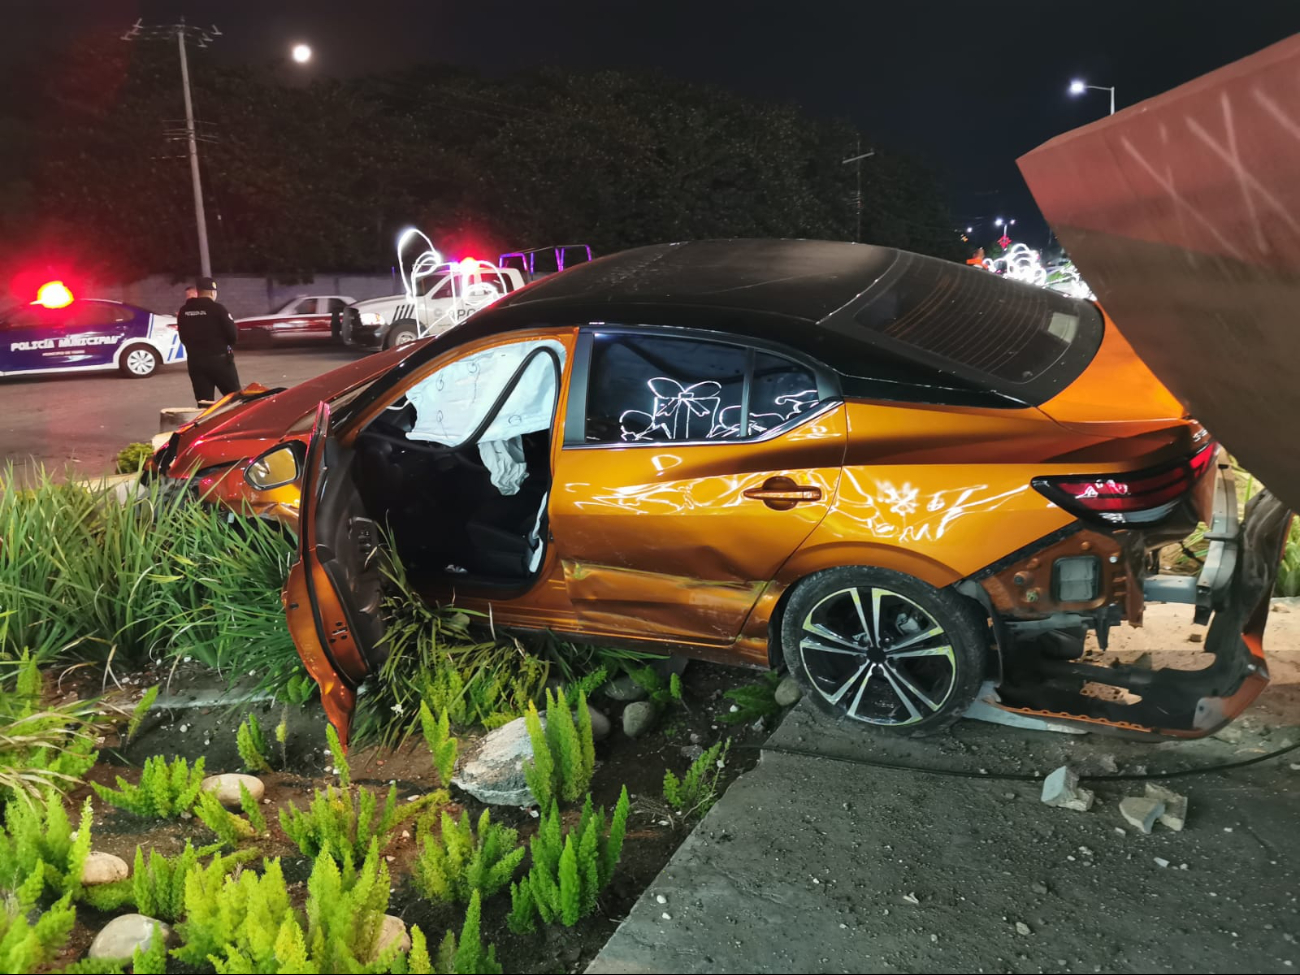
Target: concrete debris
{"x": 1062, "y": 789}
{"x": 1161, "y": 862}
{"x": 496, "y": 774}
{"x": 1038, "y": 888}
{"x": 1141, "y": 812}
{"x": 1023, "y": 929}
{"x": 1175, "y": 814}
{"x": 911, "y": 899}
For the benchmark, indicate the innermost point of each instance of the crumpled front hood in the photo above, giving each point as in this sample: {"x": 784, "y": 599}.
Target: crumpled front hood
{"x": 253, "y": 426}
{"x": 1183, "y": 215}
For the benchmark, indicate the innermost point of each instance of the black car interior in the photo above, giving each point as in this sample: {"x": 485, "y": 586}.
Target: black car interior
{"x": 439, "y": 506}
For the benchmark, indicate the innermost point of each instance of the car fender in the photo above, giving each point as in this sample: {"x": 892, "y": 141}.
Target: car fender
{"x": 159, "y": 334}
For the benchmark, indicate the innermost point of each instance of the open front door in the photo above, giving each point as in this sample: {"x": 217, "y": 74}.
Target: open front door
{"x": 332, "y": 599}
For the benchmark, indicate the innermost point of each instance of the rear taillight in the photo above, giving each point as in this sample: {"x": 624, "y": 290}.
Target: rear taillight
{"x": 1132, "y": 497}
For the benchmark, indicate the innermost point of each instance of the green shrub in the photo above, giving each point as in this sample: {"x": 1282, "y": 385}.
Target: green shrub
{"x": 165, "y": 791}
{"x": 41, "y": 747}
{"x": 247, "y": 923}
{"x": 37, "y": 838}
{"x": 443, "y": 747}
{"x": 460, "y": 860}
{"x": 569, "y": 870}
{"x": 1288, "y": 572}
{"x": 344, "y": 819}
{"x": 564, "y": 754}
{"x": 753, "y": 701}
{"x": 663, "y": 694}
{"x": 156, "y": 886}
{"x": 27, "y": 945}
{"x": 231, "y": 828}
{"x": 251, "y": 744}
{"x": 132, "y": 457}
{"x": 695, "y": 794}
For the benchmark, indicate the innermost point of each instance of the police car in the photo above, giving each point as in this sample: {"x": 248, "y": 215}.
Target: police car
{"x": 60, "y": 333}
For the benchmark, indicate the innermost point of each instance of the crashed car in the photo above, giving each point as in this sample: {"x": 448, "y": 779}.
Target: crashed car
{"x": 898, "y": 478}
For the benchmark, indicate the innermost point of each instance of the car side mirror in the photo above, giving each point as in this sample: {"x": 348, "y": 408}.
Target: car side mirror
{"x": 275, "y": 468}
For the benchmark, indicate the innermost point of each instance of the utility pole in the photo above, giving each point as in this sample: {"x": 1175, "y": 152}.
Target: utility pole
{"x": 203, "y": 36}
{"x": 858, "y": 197}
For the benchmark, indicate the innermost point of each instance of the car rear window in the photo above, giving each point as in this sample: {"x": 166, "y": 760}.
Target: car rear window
{"x": 1002, "y": 335}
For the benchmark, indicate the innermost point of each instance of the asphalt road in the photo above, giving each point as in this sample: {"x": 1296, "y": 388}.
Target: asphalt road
{"x": 81, "y": 421}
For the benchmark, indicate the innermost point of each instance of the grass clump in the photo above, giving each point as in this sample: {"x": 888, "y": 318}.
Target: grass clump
{"x": 41, "y": 747}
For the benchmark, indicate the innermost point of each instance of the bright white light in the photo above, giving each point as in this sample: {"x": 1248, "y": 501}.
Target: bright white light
{"x": 1077, "y": 87}
{"x": 997, "y": 222}
{"x": 301, "y": 53}
{"x": 970, "y": 230}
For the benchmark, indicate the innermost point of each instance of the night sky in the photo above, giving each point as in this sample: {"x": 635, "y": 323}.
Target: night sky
{"x": 966, "y": 86}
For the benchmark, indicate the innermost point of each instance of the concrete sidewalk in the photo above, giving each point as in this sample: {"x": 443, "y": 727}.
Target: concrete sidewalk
{"x": 812, "y": 864}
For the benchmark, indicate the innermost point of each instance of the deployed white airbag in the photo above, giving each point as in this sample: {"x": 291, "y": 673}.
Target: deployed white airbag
{"x": 452, "y": 403}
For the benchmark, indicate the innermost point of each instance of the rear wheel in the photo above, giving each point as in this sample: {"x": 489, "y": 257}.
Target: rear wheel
{"x": 402, "y": 333}
{"x": 884, "y": 649}
{"x": 139, "y": 361}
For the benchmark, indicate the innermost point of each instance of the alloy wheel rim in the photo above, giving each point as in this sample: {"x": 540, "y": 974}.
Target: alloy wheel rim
{"x": 139, "y": 362}
{"x": 403, "y": 338}
{"x": 877, "y": 656}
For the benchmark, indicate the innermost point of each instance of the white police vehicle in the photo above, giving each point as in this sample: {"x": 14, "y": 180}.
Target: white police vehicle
{"x": 57, "y": 333}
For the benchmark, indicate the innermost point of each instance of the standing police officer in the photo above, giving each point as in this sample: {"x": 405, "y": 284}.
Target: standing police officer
{"x": 208, "y": 333}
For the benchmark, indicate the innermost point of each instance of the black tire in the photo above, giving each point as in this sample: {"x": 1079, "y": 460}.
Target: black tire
{"x": 139, "y": 361}
{"x": 869, "y": 674}
{"x": 401, "y": 333}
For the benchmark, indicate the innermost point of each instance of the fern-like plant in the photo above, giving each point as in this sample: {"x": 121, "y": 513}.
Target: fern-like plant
{"x": 663, "y": 694}
{"x": 695, "y": 794}
{"x": 753, "y": 701}
{"x": 156, "y": 886}
{"x": 28, "y": 945}
{"x": 231, "y": 828}
{"x": 569, "y": 870}
{"x": 443, "y": 747}
{"x": 251, "y": 743}
{"x": 459, "y": 860}
{"x": 164, "y": 792}
{"x": 37, "y": 840}
{"x": 346, "y": 819}
{"x": 247, "y": 923}
{"x": 564, "y": 754}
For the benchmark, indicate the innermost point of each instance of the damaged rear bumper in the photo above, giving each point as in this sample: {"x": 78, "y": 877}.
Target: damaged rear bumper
{"x": 1231, "y": 593}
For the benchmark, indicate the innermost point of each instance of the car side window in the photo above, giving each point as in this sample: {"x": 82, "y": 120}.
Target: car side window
{"x": 306, "y": 307}
{"x": 92, "y": 314}
{"x": 337, "y": 304}
{"x": 657, "y": 389}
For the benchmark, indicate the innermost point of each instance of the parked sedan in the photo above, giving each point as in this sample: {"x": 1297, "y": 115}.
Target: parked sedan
{"x": 896, "y": 477}
{"x": 62, "y": 334}
{"x": 306, "y": 318}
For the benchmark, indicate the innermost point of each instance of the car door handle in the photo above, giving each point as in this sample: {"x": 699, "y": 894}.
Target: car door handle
{"x": 782, "y": 493}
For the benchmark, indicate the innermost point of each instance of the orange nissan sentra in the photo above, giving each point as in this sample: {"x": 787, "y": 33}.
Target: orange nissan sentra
{"x": 897, "y": 477}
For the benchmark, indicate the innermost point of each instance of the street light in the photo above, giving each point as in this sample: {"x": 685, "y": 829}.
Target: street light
{"x": 202, "y": 37}
{"x": 1078, "y": 87}
{"x": 858, "y": 159}
{"x": 302, "y": 53}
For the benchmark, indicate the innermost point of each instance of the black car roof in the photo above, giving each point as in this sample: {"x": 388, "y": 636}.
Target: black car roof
{"x": 892, "y": 324}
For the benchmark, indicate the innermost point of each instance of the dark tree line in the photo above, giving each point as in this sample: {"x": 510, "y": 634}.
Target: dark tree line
{"x": 313, "y": 178}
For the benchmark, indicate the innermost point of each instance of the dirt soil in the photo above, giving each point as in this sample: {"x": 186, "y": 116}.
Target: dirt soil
{"x": 208, "y": 731}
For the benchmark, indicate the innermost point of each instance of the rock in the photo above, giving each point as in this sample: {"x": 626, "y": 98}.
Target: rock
{"x": 1023, "y": 929}
{"x": 495, "y": 775}
{"x": 692, "y": 752}
{"x": 624, "y": 689}
{"x": 788, "y": 692}
{"x": 1231, "y": 734}
{"x": 392, "y": 931}
{"x": 1062, "y": 789}
{"x": 226, "y": 787}
{"x": 1141, "y": 812}
{"x": 600, "y": 726}
{"x": 119, "y": 938}
{"x": 1038, "y": 888}
{"x": 1196, "y": 638}
{"x": 103, "y": 868}
{"x": 638, "y": 718}
{"x": 1175, "y": 814}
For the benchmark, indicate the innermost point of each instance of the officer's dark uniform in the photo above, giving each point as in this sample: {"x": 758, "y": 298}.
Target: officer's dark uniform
{"x": 208, "y": 333}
